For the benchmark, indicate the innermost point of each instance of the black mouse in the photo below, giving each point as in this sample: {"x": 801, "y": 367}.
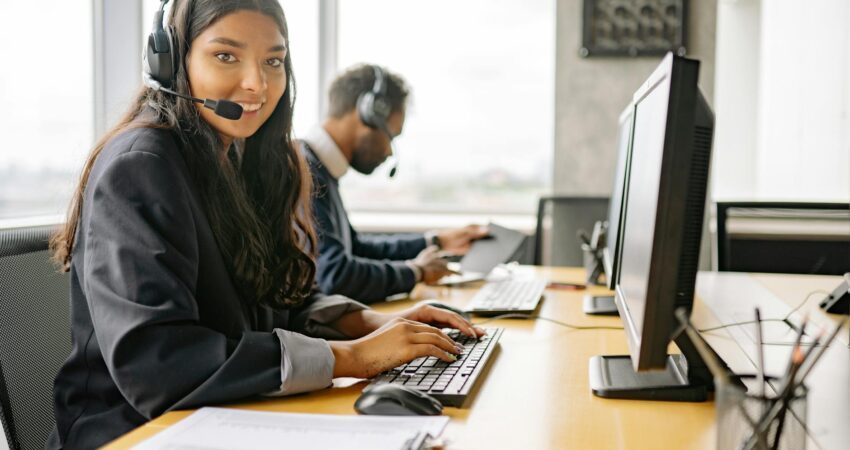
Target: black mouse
{"x": 451, "y": 308}
{"x": 396, "y": 400}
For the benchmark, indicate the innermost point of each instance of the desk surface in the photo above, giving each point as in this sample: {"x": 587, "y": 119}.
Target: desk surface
{"x": 536, "y": 393}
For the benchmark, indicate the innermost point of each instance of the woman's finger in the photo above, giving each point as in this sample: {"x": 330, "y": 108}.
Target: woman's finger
{"x": 433, "y": 339}
{"x": 433, "y": 350}
{"x": 451, "y": 319}
{"x": 420, "y": 327}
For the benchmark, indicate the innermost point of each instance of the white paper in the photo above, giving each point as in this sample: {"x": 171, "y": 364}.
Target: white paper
{"x": 222, "y": 428}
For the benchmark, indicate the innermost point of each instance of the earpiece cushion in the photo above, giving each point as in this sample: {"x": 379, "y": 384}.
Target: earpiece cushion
{"x": 159, "y": 57}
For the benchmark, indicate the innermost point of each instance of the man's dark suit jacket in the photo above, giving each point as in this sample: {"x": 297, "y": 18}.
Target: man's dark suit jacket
{"x": 156, "y": 321}
{"x": 365, "y": 268}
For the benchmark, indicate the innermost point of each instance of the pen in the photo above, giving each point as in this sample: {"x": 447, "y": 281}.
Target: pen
{"x": 760, "y": 343}
{"x": 566, "y": 286}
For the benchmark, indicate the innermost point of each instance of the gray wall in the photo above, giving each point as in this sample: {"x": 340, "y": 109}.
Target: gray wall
{"x": 590, "y": 93}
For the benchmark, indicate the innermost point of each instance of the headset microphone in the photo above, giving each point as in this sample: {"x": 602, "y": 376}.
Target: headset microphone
{"x": 224, "y": 108}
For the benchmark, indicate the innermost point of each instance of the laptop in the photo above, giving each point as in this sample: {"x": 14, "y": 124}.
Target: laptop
{"x": 485, "y": 254}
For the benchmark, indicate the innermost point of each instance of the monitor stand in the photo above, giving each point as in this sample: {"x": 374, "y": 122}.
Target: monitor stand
{"x": 685, "y": 379}
{"x": 600, "y": 305}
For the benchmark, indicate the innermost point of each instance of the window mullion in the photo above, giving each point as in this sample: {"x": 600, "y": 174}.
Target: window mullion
{"x": 328, "y": 32}
{"x": 117, "y": 59}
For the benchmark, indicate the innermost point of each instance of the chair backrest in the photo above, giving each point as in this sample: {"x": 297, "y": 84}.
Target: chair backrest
{"x": 34, "y": 334}
{"x": 783, "y": 237}
{"x": 559, "y": 218}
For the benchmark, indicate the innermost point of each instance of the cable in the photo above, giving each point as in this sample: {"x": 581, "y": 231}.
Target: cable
{"x": 805, "y": 300}
{"x": 533, "y": 317}
{"x": 702, "y": 330}
{"x": 720, "y": 327}
{"x": 784, "y": 319}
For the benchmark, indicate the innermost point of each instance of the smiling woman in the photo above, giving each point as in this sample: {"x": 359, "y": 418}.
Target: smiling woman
{"x": 189, "y": 241}
{"x": 252, "y": 75}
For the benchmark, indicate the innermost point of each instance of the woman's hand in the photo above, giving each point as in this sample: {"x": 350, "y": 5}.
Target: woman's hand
{"x": 441, "y": 318}
{"x": 361, "y": 323}
{"x": 396, "y": 342}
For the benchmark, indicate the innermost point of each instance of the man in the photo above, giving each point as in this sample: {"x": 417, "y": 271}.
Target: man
{"x": 366, "y": 112}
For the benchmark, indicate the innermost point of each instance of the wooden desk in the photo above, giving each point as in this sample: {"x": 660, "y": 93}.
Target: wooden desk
{"x": 536, "y": 394}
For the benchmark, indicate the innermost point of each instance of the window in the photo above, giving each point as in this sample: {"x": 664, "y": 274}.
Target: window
{"x": 47, "y": 90}
{"x": 478, "y": 136}
{"x": 302, "y": 18}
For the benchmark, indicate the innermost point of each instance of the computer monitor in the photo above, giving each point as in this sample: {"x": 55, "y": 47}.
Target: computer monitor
{"x": 661, "y": 226}
{"x": 604, "y": 304}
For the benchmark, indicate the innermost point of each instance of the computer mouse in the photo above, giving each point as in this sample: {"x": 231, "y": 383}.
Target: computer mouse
{"x": 451, "y": 308}
{"x": 396, "y": 400}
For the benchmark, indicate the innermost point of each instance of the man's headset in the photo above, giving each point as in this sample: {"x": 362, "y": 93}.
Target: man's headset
{"x": 160, "y": 68}
{"x": 374, "y": 109}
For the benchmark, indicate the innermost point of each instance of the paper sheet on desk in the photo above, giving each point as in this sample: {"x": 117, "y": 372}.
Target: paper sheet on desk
{"x": 221, "y": 428}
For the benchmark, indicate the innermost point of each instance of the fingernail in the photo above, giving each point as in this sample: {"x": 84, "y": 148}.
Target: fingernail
{"x": 452, "y": 357}
{"x": 459, "y": 348}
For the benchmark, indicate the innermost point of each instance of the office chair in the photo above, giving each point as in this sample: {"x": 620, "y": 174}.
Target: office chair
{"x": 559, "y": 218}
{"x": 783, "y": 237}
{"x": 35, "y": 335}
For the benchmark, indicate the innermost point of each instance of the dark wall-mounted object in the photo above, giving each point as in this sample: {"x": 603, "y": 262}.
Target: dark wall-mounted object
{"x": 633, "y": 27}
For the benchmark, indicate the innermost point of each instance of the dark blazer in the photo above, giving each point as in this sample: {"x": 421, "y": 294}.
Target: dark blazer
{"x": 156, "y": 322}
{"x": 365, "y": 268}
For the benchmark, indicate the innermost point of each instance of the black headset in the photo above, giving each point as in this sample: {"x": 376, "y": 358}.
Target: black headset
{"x": 160, "y": 62}
{"x": 374, "y": 109}
{"x": 159, "y": 68}
{"x": 373, "y": 106}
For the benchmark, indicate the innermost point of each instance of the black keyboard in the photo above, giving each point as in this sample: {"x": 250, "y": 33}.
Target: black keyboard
{"x": 508, "y": 296}
{"x": 448, "y": 383}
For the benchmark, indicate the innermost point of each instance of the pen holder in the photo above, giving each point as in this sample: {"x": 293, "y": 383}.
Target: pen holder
{"x": 741, "y": 419}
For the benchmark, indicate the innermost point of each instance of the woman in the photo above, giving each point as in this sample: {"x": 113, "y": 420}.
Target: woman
{"x": 191, "y": 267}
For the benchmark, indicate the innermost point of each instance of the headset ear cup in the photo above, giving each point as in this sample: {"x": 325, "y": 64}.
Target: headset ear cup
{"x": 160, "y": 57}
{"x": 380, "y": 109}
{"x": 372, "y": 106}
{"x": 365, "y": 105}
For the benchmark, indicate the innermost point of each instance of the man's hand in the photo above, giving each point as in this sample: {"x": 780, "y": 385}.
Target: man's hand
{"x": 459, "y": 240}
{"x": 432, "y": 265}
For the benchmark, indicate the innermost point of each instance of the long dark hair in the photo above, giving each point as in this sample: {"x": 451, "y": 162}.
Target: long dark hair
{"x": 260, "y": 213}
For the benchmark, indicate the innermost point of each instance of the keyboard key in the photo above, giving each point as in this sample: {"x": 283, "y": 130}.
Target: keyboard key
{"x": 430, "y": 362}
{"x": 416, "y": 362}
